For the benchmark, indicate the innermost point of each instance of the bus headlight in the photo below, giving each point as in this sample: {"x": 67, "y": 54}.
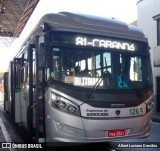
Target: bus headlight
{"x": 71, "y": 109}
{"x": 60, "y": 104}
{"x": 64, "y": 104}
{"x": 149, "y": 106}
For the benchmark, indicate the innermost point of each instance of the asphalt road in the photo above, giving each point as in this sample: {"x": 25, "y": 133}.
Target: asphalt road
{"x": 154, "y": 139}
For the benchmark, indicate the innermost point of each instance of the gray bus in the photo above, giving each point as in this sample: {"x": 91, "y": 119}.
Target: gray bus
{"x": 81, "y": 78}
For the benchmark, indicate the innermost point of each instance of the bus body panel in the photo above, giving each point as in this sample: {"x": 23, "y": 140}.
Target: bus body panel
{"x": 132, "y": 126}
{"x": 69, "y": 128}
{"x": 101, "y": 112}
{"x": 92, "y": 25}
{"x": 18, "y": 107}
{"x": 65, "y": 127}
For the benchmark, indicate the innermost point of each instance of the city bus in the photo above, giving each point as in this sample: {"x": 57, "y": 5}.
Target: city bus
{"x": 81, "y": 78}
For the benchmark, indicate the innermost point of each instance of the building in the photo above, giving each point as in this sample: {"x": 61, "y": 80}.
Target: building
{"x": 148, "y": 20}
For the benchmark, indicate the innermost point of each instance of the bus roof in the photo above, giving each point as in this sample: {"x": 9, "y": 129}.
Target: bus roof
{"x": 65, "y": 21}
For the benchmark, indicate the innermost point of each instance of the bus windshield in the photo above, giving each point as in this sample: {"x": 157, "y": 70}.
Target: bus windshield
{"x": 118, "y": 70}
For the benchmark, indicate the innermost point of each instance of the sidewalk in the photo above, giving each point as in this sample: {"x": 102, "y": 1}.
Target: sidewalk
{"x": 156, "y": 117}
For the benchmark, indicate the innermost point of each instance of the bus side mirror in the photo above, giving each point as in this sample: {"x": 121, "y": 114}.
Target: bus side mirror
{"x": 42, "y": 55}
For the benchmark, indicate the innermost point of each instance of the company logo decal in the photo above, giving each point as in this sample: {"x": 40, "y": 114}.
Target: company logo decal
{"x": 118, "y": 112}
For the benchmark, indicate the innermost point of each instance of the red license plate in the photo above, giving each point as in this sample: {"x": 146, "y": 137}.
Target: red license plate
{"x": 115, "y": 133}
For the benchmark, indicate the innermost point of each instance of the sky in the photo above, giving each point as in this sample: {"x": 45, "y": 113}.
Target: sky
{"x": 124, "y": 10}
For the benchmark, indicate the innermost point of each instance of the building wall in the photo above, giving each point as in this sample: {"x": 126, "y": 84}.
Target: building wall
{"x": 146, "y": 9}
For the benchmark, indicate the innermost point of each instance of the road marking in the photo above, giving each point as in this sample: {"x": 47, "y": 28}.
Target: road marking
{"x": 6, "y": 134}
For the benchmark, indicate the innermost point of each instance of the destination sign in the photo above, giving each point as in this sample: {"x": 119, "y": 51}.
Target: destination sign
{"x": 105, "y": 43}
{"x": 82, "y": 81}
{"x": 94, "y": 41}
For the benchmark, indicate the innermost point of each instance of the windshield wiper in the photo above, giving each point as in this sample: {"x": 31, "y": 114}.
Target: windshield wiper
{"x": 138, "y": 92}
{"x": 89, "y": 94}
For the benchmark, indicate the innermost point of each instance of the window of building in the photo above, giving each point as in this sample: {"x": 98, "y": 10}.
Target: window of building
{"x": 158, "y": 32}
{"x": 157, "y": 19}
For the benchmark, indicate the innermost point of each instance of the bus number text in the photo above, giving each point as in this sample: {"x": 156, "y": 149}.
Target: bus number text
{"x": 136, "y": 111}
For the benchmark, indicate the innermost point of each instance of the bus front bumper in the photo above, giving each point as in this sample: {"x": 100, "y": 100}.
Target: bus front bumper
{"x": 83, "y": 130}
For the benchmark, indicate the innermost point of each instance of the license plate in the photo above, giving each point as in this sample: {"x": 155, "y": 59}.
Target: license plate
{"x": 115, "y": 133}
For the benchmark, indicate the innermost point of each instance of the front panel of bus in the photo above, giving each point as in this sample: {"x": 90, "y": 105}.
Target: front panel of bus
{"x": 99, "y": 88}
